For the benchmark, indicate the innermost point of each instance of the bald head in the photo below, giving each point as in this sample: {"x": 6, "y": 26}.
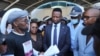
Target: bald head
{"x": 93, "y": 11}
{"x": 91, "y": 15}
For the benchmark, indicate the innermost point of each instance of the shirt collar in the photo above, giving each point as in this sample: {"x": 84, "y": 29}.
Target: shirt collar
{"x": 58, "y": 24}
{"x": 18, "y": 33}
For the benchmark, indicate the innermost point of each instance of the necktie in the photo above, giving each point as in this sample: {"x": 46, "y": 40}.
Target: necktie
{"x": 55, "y": 35}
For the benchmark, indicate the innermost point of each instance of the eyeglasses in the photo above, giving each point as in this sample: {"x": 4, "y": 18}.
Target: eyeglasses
{"x": 87, "y": 17}
{"x": 74, "y": 17}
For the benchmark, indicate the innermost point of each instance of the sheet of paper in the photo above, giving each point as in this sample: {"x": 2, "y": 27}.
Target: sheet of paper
{"x": 52, "y": 50}
{"x": 35, "y": 52}
{"x": 28, "y": 50}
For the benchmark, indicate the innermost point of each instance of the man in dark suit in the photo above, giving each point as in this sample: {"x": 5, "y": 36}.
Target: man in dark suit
{"x": 57, "y": 34}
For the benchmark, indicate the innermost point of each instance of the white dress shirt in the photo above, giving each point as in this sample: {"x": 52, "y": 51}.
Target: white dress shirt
{"x": 52, "y": 32}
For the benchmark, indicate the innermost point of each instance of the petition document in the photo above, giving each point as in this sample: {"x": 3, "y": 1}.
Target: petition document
{"x": 52, "y": 50}
{"x": 28, "y": 50}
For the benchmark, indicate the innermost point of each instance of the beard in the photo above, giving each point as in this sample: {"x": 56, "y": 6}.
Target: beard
{"x": 24, "y": 29}
{"x": 96, "y": 29}
{"x": 87, "y": 30}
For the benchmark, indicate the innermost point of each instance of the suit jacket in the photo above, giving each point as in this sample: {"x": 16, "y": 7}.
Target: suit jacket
{"x": 83, "y": 49}
{"x": 64, "y": 42}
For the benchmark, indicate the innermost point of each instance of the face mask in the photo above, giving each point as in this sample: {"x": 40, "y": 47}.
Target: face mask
{"x": 74, "y": 21}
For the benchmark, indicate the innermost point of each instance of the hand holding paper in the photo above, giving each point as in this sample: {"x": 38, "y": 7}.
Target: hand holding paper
{"x": 52, "y": 50}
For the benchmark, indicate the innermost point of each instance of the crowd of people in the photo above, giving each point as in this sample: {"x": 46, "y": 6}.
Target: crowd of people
{"x": 28, "y": 37}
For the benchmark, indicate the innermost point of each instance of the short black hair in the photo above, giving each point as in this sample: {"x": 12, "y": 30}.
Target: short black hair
{"x": 33, "y": 21}
{"x": 57, "y": 9}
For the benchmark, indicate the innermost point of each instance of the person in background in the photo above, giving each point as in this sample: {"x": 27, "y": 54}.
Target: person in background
{"x": 96, "y": 31}
{"x": 74, "y": 25}
{"x": 84, "y": 39}
{"x": 49, "y": 21}
{"x": 64, "y": 21}
{"x": 46, "y": 21}
{"x": 37, "y": 39}
{"x": 57, "y": 34}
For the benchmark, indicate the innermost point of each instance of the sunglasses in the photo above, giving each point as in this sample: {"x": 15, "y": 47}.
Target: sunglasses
{"x": 74, "y": 17}
{"x": 87, "y": 17}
